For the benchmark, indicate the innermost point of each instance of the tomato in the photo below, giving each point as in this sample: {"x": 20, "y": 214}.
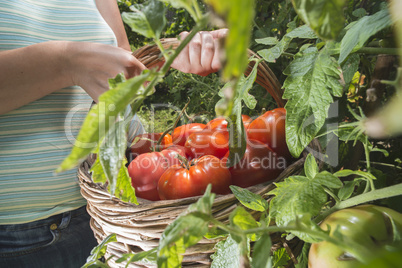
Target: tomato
{"x": 269, "y": 128}
{"x": 145, "y": 143}
{"x": 366, "y": 225}
{"x": 207, "y": 142}
{"x": 259, "y": 164}
{"x": 220, "y": 123}
{"x": 180, "y": 182}
{"x": 181, "y": 133}
{"x": 146, "y": 169}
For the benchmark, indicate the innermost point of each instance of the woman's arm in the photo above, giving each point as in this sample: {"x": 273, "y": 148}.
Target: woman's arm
{"x": 111, "y": 14}
{"x": 29, "y": 73}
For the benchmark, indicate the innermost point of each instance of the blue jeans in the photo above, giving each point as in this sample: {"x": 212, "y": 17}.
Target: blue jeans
{"x": 63, "y": 240}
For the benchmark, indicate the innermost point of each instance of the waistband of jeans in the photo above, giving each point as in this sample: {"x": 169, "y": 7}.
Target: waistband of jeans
{"x": 50, "y": 220}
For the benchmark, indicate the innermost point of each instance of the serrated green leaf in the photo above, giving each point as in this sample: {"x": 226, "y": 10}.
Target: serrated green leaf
{"x": 325, "y": 17}
{"x": 100, "y": 117}
{"x": 280, "y": 258}
{"x": 146, "y": 19}
{"x": 299, "y": 195}
{"x": 271, "y": 54}
{"x": 185, "y": 231}
{"x": 249, "y": 199}
{"x": 310, "y": 167}
{"x": 227, "y": 254}
{"x": 362, "y": 30}
{"x": 312, "y": 78}
{"x": 296, "y": 195}
{"x": 261, "y": 256}
{"x": 98, "y": 176}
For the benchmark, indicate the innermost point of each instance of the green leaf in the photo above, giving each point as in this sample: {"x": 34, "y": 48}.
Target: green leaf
{"x": 147, "y": 19}
{"x": 280, "y": 257}
{"x": 299, "y": 195}
{"x": 144, "y": 256}
{"x": 238, "y": 15}
{"x": 112, "y": 153}
{"x": 261, "y": 253}
{"x": 270, "y": 41}
{"x": 98, "y": 175}
{"x": 362, "y": 30}
{"x": 347, "y": 190}
{"x": 275, "y": 52}
{"x": 227, "y": 254}
{"x": 188, "y": 5}
{"x": 242, "y": 219}
{"x": 249, "y": 199}
{"x": 100, "y": 117}
{"x": 185, "y": 231}
{"x": 310, "y": 167}
{"x": 312, "y": 78}
{"x": 99, "y": 251}
{"x": 348, "y": 172}
{"x": 350, "y": 67}
{"x": 325, "y": 17}
{"x": 122, "y": 184}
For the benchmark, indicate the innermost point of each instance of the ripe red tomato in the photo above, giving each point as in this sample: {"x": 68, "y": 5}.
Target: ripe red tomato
{"x": 180, "y": 182}
{"x": 207, "y": 142}
{"x": 146, "y": 169}
{"x": 269, "y": 128}
{"x": 259, "y": 164}
{"x": 220, "y": 123}
{"x": 144, "y": 143}
{"x": 181, "y": 133}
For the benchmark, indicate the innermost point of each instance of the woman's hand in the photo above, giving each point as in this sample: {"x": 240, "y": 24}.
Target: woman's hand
{"x": 201, "y": 56}
{"x": 91, "y": 65}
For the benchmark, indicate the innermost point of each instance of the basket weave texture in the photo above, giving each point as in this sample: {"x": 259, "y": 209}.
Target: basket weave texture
{"x": 139, "y": 227}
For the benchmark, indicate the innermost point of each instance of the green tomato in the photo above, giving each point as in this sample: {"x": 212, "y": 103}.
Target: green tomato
{"x": 367, "y": 225}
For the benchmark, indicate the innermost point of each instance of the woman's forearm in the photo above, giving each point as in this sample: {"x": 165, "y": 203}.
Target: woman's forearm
{"x": 29, "y": 73}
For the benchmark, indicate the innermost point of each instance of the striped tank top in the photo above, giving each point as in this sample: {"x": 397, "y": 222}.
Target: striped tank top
{"x": 35, "y": 138}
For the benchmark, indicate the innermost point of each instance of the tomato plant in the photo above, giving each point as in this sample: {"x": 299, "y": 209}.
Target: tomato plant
{"x": 207, "y": 142}
{"x": 372, "y": 227}
{"x": 181, "y": 181}
{"x": 147, "y": 142}
{"x": 259, "y": 164}
{"x": 181, "y": 133}
{"x": 146, "y": 169}
{"x": 269, "y": 128}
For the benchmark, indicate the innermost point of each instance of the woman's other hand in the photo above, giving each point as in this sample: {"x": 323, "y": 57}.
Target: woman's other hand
{"x": 201, "y": 56}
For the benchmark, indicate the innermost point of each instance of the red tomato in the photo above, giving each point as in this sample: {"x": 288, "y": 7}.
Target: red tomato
{"x": 146, "y": 169}
{"x": 259, "y": 164}
{"x": 181, "y": 133}
{"x": 144, "y": 143}
{"x": 269, "y": 128}
{"x": 180, "y": 182}
{"x": 220, "y": 123}
{"x": 207, "y": 142}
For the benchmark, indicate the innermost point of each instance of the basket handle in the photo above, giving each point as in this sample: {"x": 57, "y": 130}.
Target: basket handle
{"x": 150, "y": 56}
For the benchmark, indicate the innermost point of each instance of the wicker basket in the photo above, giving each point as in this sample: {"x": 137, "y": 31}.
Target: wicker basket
{"x": 139, "y": 227}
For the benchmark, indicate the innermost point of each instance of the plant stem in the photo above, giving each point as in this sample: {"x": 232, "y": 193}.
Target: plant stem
{"x": 386, "y": 192}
